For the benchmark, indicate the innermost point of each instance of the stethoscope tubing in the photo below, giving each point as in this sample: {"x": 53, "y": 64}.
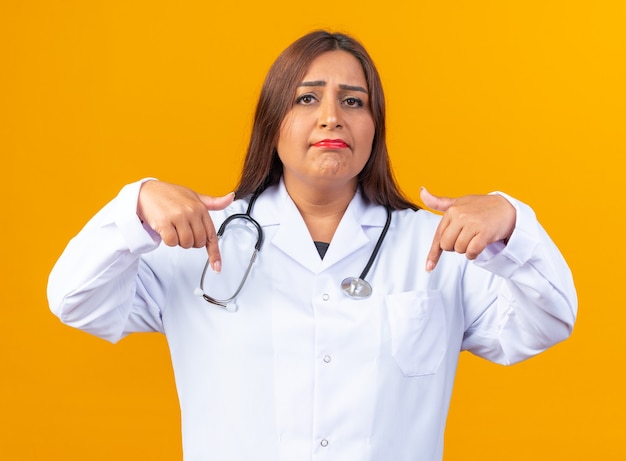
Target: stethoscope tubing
{"x": 355, "y": 287}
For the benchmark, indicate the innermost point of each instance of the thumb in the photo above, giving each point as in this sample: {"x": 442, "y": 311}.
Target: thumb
{"x": 217, "y": 203}
{"x": 435, "y": 202}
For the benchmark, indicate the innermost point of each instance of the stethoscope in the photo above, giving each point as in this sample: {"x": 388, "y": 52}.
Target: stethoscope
{"x": 355, "y": 287}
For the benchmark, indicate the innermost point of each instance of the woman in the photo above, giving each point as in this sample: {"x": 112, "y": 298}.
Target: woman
{"x": 300, "y": 363}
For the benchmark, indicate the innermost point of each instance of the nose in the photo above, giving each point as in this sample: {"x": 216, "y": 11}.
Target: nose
{"x": 330, "y": 114}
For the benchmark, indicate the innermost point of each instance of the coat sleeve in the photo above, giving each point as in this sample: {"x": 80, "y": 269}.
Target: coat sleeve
{"x": 529, "y": 295}
{"x": 100, "y": 284}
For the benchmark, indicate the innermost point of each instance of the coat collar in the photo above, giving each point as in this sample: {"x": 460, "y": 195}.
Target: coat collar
{"x": 275, "y": 207}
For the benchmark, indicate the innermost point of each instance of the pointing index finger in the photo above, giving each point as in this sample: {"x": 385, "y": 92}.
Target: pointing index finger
{"x": 212, "y": 247}
{"x": 435, "y": 248}
{"x": 433, "y": 255}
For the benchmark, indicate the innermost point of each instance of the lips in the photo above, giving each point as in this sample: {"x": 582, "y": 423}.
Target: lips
{"x": 331, "y": 144}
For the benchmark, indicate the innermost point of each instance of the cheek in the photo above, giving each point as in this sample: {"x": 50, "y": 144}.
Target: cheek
{"x": 289, "y": 134}
{"x": 366, "y": 135}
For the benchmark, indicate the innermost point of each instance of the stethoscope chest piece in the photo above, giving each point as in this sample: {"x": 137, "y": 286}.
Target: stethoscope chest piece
{"x": 356, "y": 287}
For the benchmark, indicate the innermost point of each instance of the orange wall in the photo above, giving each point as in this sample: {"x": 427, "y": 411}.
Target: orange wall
{"x": 526, "y": 97}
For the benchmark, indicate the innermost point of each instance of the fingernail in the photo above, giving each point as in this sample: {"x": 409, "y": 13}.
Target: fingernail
{"x": 430, "y": 266}
{"x": 217, "y": 267}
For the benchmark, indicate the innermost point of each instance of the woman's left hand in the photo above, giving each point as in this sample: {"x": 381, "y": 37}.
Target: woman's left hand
{"x": 469, "y": 224}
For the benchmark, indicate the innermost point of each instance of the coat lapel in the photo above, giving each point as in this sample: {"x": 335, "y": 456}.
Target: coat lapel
{"x": 292, "y": 237}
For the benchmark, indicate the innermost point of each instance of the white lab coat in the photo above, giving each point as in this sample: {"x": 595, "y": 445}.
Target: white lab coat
{"x": 301, "y": 371}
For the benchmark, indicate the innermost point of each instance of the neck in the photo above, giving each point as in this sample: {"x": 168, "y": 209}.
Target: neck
{"x": 321, "y": 209}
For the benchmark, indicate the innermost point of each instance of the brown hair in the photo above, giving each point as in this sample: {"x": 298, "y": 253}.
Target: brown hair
{"x": 263, "y": 168}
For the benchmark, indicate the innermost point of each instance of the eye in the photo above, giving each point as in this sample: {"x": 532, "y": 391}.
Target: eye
{"x": 353, "y": 102}
{"x": 305, "y": 99}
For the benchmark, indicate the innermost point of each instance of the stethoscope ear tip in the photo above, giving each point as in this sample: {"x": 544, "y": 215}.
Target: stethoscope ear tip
{"x": 229, "y": 307}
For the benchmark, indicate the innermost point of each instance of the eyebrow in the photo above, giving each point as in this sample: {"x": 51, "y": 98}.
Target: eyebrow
{"x": 341, "y": 86}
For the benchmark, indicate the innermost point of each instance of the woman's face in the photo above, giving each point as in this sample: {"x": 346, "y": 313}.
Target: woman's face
{"x": 326, "y": 138}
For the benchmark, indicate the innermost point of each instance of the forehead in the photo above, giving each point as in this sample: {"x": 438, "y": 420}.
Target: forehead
{"x": 338, "y": 67}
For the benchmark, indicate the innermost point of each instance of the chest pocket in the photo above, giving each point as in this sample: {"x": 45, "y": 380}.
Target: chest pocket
{"x": 417, "y": 323}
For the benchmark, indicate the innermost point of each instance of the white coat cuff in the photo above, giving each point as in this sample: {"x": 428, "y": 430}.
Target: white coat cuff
{"x": 504, "y": 259}
{"x": 139, "y": 237}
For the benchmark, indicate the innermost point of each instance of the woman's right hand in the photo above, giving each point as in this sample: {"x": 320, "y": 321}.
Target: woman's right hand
{"x": 180, "y": 216}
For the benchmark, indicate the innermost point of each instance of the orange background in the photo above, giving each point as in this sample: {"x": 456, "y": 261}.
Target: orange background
{"x": 525, "y": 97}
